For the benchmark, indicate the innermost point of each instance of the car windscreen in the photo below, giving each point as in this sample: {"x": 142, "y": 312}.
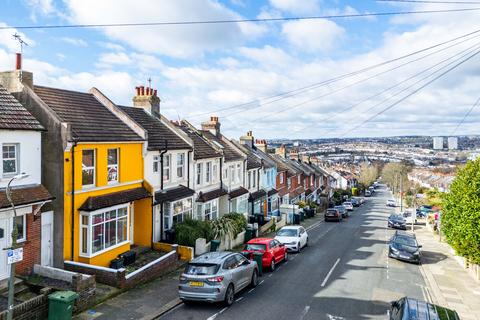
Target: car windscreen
{"x": 287, "y": 233}
{"x": 255, "y": 246}
{"x": 406, "y": 241}
{"x": 201, "y": 269}
{"x": 340, "y": 208}
{"x": 331, "y": 211}
{"x": 396, "y": 217}
{"x": 347, "y": 203}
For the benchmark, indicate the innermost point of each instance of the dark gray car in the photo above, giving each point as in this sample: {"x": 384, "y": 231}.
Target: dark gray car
{"x": 217, "y": 276}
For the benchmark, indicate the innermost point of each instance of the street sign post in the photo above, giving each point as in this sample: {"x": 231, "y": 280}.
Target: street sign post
{"x": 15, "y": 255}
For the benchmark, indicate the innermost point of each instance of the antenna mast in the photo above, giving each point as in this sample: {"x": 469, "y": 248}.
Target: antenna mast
{"x": 21, "y": 42}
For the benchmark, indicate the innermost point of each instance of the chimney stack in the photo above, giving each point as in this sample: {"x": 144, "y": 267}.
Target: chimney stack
{"x": 213, "y": 126}
{"x": 261, "y": 144}
{"x": 281, "y": 151}
{"x": 248, "y": 139}
{"x": 147, "y": 99}
{"x": 19, "y": 61}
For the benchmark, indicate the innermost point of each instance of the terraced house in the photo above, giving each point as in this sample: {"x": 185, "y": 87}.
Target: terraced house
{"x": 93, "y": 165}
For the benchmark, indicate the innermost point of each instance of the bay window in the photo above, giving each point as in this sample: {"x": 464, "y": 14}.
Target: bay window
{"x": 112, "y": 166}
{"x": 181, "y": 210}
{"x": 210, "y": 210}
{"x": 10, "y": 159}
{"x": 102, "y": 230}
{"x": 180, "y": 164}
{"x": 239, "y": 205}
{"x": 88, "y": 168}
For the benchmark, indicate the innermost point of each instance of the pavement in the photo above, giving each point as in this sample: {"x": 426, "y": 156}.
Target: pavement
{"x": 345, "y": 273}
{"x": 449, "y": 282}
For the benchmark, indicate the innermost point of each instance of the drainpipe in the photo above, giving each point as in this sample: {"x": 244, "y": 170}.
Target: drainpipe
{"x": 188, "y": 168}
{"x": 221, "y": 177}
{"x": 72, "y": 231}
{"x": 162, "y": 153}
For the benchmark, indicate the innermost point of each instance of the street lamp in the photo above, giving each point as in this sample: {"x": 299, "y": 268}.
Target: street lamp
{"x": 11, "y": 281}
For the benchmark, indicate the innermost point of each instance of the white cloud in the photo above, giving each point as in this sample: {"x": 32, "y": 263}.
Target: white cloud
{"x": 43, "y": 7}
{"x": 313, "y": 35}
{"x": 7, "y": 40}
{"x": 179, "y": 40}
{"x": 114, "y": 58}
{"x": 75, "y": 41}
{"x": 296, "y": 6}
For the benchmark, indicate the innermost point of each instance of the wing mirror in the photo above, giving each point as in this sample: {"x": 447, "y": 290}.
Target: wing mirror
{"x": 420, "y": 246}
{"x": 246, "y": 262}
{"x": 394, "y": 303}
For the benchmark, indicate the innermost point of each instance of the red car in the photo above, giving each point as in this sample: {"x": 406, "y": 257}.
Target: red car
{"x": 273, "y": 251}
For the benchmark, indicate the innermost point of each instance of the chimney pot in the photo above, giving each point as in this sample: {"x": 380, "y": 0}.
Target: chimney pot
{"x": 19, "y": 61}
{"x": 142, "y": 90}
{"x": 155, "y": 92}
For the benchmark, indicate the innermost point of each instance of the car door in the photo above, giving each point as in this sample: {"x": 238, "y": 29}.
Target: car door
{"x": 280, "y": 250}
{"x": 244, "y": 270}
{"x": 303, "y": 236}
{"x": 231, "y": 267}
{"x": 274, "y": 250}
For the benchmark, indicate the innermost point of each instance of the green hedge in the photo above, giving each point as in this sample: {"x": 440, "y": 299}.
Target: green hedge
{"x": 190, "y": 230}
{"x": 460, "y": 218}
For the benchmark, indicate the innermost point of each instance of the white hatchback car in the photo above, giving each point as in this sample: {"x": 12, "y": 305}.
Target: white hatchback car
{"x": 391, "y": 203}
{"x": 293, "y": 237}
{"x": 348, "y": 205}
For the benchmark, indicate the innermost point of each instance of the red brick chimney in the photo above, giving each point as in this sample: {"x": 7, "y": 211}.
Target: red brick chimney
{"x": 147, "y": 99}
{"x": 213, "y": 125}
{"x": 261, "y": 144}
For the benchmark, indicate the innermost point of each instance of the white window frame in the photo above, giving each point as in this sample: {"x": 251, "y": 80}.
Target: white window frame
{"x": 180, "y": 165}
{"x": 214, "y": 172}
{"x": 167, "y": 164}
{"x": 186, "y": 211}
{"x": 299, "y": 179}
{"x": 213, "y": 207}
{"x": 117, "y": 165}
{"x": 90, "y": 227}
{"x": 24, "y": 231}
{"x": 208, "y": 172}
{"x": 199, "y": 174}
{"x": 281, "y": 178}
{"x": 16, "y": 159}
{"x": 249, "y": 179}
{"x": 239, "y": 173}
{"x": 242, "y": 199}
{"x": 156, "y": 164}
{"x": 86, "y": 186}
{"x": 231, "y": 168}
{"x": 254, "y": 179}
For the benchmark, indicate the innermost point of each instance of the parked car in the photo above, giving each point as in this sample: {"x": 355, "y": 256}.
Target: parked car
{"x": 333, "y": 214}
{"x": 217, "y": 276}
{"x": 409, "y": 217}
{"x": 391, "y": 203}
{"x": 371, "y": 189}
{"x": 273, "y": 251}
{"x": 343, "y": 211}
{"x": 412, "y": 309}
{"x": 355, "y": 202}
{"x": 404, "y": 246}
{"x": 348, "y": 205}
{"x": 368, "y": 193}
{"x": 397, "y": 222}
{"x": 293, "y": 237}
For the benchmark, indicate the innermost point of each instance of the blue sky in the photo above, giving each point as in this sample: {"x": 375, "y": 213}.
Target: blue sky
{"x": 200, "y": 69}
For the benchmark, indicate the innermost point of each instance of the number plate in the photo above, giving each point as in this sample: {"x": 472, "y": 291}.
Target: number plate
{"x": 195, "y": 284}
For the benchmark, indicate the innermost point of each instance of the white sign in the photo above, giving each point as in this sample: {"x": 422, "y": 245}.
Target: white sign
{"x": 15, "y": 255}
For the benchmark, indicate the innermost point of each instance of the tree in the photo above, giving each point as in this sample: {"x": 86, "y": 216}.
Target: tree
{"x": 395, "y": 175}
{"x": 368, "y": 174}
{"x": 461, "y": 212}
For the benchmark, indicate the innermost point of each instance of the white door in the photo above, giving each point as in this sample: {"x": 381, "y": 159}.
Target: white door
{"x": 132, "y": 223}
{"x": 47, "y": 239}
{"x": 4, "y": 242}
{"x": 156, "y": 226}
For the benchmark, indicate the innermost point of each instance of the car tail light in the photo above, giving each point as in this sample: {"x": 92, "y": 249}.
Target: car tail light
{"x": 182, "y": 278}
{"x": 215, "y": 279}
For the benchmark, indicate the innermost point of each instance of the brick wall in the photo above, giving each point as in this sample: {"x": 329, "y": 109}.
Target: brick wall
{"x": 154, "y": 271}
{"x": 114, "y": 278}
{"x": 33, "y": 309}
{"x": 85, "y": 287}
{"x": 32, "y": 246}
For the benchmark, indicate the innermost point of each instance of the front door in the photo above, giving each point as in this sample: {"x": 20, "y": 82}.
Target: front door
{"x": 47, "y": 241}
{"x": 4, "y": 241}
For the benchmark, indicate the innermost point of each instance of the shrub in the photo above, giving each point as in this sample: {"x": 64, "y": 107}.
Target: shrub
{"x": 301, "y": 204}
{"x": 461, "y": 212}
{"x": 188, "y": 231}
{"x": 239, "y": 221}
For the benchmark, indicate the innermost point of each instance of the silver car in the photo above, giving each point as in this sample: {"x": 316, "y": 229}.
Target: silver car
{"x": 217, "y": 276}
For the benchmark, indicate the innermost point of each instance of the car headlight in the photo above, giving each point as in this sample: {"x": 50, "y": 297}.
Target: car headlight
{"x": 394, "y": 249}
{"x": 416, "y": 253}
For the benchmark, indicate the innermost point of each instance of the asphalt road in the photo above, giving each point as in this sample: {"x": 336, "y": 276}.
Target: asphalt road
{"x": 343, "y": 274}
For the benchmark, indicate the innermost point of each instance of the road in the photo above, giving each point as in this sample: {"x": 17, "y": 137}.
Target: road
{"x": 343, "y": 274}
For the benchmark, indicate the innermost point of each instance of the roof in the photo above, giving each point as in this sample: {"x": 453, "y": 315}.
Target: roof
{"x": 201, "y": 148}
{"x": 173, "y": 194}
{"x": 89, "y": 119}
{"x": 229, "y": 153}
{"x": 257, "y": 195}
{"x": 214, "y": 194}
{"x": 272, "y": 192}
{"x": 24, "y": 195}
{"x": 14, "y": 116}
{"x": 262, "y": 157}
{"x": 212, "y": 257}
{"x": 114, "y": 198}
{"x": 253, "y": 161}
{"x": 281, "y": 166}
{"x": 260, "y": 240}
{"x": 157, "y": 131}
{"x": 237, "y": 192}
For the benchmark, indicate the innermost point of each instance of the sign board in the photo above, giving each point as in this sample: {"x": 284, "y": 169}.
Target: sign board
{"x": 15, "y": 255}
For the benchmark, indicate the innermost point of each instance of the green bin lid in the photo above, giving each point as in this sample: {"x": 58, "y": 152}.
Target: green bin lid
{"x": 64, "y": 296}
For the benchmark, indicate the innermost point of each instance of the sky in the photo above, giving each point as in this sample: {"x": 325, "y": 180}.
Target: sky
{"x": 233, "y": 70}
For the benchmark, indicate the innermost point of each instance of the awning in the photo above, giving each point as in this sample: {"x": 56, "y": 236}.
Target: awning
{"x": 173, "y": 194}
{"x": 257, "y": 195}
{"x": 237, "y": 192}
{"x": 25, "y": 195}
{"x": 207, "y": 196}
{"x": 114, "y": 198}
{"x": 272, "y": 192}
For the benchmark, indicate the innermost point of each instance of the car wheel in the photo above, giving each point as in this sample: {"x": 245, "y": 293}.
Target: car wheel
{"x": 272, "y": 265}
{"x": 229, "y": 296}
{"x": 299, "y": 247}
{"x": 254, "y": 281}
{"x": 187, "y": 302}
{"x": 306, "y": 243}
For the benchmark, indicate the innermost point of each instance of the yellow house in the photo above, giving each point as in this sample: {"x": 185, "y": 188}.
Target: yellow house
{"x": 107, "y": 208}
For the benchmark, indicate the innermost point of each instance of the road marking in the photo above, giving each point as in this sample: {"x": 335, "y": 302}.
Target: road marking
{"x": 261, "y": 282}
{"x": 249, "y": 291}
{"x": 330, "y": 272}
{"x": 239, "y": 299}
{"x": 213, "y": 317}
{"x": 223, "y": 310}
{"x": 304, "y": 312}
{"x": 270, "y": 275}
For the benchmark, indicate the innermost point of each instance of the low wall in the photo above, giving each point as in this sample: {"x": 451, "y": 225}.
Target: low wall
{"x": 33, "y": 309}
{"x": 119, "y": 278}
{"x": 185, "y": 253}
{"x": 228, "y": 244}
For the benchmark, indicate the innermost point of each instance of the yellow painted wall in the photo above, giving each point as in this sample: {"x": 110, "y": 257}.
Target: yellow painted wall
{"x": 130, "y": 170}
{"x": 185, "y": 253}
{"x": 143, "y": 222}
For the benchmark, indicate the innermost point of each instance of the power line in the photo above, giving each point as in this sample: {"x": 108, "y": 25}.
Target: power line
{"x": 392, "y": 87}
{"x": 411, "y": 94}
{"x": 200, "y": 22}
{"x": 300, "y": 90}
{"x": 465, "y": 116}
{"x": 431, "y": 1}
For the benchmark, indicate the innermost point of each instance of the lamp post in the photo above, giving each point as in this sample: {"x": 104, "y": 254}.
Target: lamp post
{"x": 11, "y": 280}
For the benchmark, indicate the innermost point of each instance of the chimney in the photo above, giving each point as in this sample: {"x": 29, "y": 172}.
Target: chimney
{"x": 247, "y": 140}
{"x": 213, "y": 126}
{"x": 281, "y": 151}
{"x": 261, "y": 144}
{"x": 147, "y": 99}
{"x": 19, "y": 61}
{"x": 14, "y": 80}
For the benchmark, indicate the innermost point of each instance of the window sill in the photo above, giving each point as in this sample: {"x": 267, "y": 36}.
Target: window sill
{"x": 84, "y": 255}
